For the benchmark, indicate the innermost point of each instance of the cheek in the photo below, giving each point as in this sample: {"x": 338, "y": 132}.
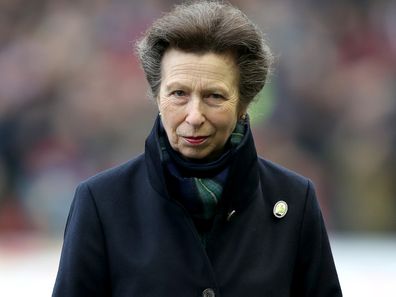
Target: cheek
{"x": 171, "y": 120}
{"x": 168, "y": 123}
{"x": 170, "y": 130}
{"x": 227, "y": 119}
{"x": 224, "y": 126}
{"x": 164, "y": 104}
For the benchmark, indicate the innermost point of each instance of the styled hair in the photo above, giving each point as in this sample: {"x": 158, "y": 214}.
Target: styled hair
{"x": 208, "y": 26}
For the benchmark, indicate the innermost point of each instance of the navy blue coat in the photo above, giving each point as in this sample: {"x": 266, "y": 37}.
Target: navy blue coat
{"x": 126, "y": 237}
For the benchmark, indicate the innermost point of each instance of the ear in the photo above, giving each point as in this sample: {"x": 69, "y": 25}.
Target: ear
{"x": 242, "y": 111}
{"x": 157, "y": 100}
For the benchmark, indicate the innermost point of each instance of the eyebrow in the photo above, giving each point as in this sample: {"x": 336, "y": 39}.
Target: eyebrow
{"x": 175, "y": 85}
{"x": 211, "y": 87}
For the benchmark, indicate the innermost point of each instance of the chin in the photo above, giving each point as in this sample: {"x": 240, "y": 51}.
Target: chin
{"x": 188, "y": 154}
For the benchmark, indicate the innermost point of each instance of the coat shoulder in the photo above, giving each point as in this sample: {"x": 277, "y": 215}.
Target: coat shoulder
{"x": 117, "y": 176}
{"x": 281, "y": 181}
{"x": 278, "y": 171}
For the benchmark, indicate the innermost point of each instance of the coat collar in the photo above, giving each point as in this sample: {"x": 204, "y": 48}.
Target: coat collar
{"x": 243, "y": 176}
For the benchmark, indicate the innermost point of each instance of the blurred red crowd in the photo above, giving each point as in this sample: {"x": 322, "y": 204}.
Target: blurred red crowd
{"x": 73, "y": 102}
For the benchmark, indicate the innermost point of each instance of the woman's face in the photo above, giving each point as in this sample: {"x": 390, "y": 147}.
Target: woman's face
{"x": 198, "y": 102}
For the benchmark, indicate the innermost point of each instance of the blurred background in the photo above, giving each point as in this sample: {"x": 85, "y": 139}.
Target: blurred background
{"x": 73, "y": 102}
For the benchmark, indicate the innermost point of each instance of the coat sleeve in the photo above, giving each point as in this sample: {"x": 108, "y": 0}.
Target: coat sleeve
{"x": 83, "y": 264}
{"x": 315, "y": 273}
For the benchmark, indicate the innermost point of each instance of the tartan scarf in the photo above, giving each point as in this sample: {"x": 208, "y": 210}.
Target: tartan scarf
{"x": 199, "y": 186}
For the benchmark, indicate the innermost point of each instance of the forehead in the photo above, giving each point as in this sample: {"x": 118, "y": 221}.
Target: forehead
{"x": 212, "y": 66}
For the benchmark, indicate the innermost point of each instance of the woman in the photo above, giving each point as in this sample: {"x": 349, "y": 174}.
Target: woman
{"x": 198, "y": 214}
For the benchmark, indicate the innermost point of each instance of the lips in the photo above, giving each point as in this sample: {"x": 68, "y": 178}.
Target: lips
{"x": 195, "y": 140}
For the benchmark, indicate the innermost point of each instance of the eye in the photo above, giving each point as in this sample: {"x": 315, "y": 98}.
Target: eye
{"x": 178, "y": 93}
{"x": 215, "y": 96}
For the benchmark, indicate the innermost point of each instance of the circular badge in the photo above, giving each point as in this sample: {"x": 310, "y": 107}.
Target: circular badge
{"x": 280, "y": 209}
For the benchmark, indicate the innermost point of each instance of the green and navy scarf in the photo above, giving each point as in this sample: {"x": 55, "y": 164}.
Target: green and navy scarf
{"x": 199, "y": 186}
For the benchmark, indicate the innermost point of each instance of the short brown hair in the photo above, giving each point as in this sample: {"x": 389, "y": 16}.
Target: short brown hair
{"x": 208, "y": 26}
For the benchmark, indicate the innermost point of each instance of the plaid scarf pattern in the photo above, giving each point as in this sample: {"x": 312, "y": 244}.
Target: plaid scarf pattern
{"x": 199, "y": 186}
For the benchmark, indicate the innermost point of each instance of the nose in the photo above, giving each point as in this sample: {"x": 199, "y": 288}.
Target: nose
{"x": 195, "y": 113}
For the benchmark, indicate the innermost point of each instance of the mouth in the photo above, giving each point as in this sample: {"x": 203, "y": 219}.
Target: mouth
{"x": 195, "y": 140}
